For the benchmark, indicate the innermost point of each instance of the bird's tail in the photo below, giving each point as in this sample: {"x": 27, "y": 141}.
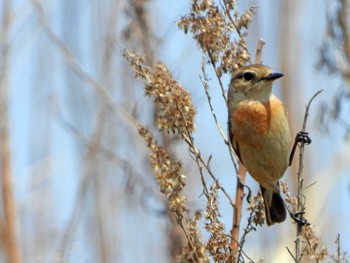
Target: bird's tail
{"x": 274, "y": 206}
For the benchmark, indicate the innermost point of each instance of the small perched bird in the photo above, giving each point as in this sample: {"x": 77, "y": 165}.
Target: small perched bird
{"x": 259, "y": 133}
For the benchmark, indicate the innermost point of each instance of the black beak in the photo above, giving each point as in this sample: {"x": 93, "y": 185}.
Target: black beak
{"x": 273, "y": 76}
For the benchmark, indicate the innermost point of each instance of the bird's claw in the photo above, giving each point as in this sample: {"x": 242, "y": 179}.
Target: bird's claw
{"x": 299, "y": 219}
{"x": 303, "y": 136}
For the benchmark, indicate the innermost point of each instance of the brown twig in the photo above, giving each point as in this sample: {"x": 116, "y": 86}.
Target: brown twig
{"x": 237, "y": 210}
{"x": 300, "y": 197}
{"x": 9, "y": 229}
{"x": 342, "y": 20}
{"x": 258, "y": 53}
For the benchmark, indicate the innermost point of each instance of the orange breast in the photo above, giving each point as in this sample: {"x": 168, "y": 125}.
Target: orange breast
{"x": 254, "y": 119}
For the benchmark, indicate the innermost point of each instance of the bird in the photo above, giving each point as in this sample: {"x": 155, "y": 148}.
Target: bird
{"x": 259, "y": 133}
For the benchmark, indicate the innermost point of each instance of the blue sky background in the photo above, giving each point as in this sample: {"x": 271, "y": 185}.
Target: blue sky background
{"x": 50, "y": 160}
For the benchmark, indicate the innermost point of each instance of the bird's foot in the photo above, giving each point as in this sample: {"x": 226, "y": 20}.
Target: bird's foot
{"x": 299, "y": 219}
{"x": 303, "y": 136}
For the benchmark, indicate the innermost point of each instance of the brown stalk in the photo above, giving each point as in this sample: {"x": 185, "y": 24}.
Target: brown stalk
{"x": 258, "y": 53}
{"x": 342, "y": 20}
{"x": 300, "y": 197}
{"x": 237, "y": 210}
{"x": 9, "y": 227}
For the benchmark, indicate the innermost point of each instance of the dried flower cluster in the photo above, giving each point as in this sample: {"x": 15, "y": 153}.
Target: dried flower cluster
{"x": 169, "y": 176}
{"x": 293, "y": 201}
{"x": 168, "y": 173}
{"x": 219, "y": 242}
{"x": 314, "y": 249}
{"x": 195, "y": 250}
{"x": 175, "y": 110}
{"x": 257, "y": 207}
{"x": 213, "y": 27}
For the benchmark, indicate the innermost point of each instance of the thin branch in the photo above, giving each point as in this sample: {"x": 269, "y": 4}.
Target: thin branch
{"x": 247, "y": 229}
{"x": 300, "y": 197}
{"x": 228, "y": 14}
{"x": 258, "y": 53}
{"x": 338, "y": 254}
{"x": 206, "y": 89}
{"x": 308, "y": 107}
{"x": 291, "y": 254}
{"x": 237, "y": 211}
{"x": 343, "y": 23}
{"x": 217, "y": 74}
{"x": 188, "y": 237}
{"x": 8, "y": 233}
{"x": 189, "y": 140}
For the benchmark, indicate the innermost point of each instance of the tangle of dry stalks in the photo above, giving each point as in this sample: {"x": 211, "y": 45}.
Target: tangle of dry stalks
{"x": 220, "y": 31}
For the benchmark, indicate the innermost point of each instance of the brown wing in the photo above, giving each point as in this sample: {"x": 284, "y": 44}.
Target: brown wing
{"x": 234, "y": 143}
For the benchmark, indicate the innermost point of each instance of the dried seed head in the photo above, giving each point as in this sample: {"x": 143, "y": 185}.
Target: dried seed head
{"x": 219, "y": 243}
{"x": 314, "y": 249}
{"x": 215, "y": 27}
{"x": 167, "y": 171}
{"x": 194, "y": 251}
{"x": 256, "y": 205}
{"x": 175, "y": 111}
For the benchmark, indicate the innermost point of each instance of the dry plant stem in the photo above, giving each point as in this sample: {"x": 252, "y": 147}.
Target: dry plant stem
{"x": 337, "y": 241}
{"x": 237, "y": 213}
{"x": 243, "y": 239}
{"x": 95, "y": 171}
{"x": 188, "y": 237}
{"x": 200, "y": 162}
{"x": 206, "y": 89}
{"x": 88, "y": 178}
{"x": 227, "y": 12}
{"x": 212, "y": 61}
{"x": 8, "y": 233}
{"x": 300, "y": 197}
{"x": 342, "y": 19}
{"x": 258, "y": 53}
{"x": 298, "y": 242}
{"x": 237, "y": 210}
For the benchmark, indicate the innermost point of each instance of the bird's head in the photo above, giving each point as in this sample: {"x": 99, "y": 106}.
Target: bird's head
{"x": 253, "y": 82}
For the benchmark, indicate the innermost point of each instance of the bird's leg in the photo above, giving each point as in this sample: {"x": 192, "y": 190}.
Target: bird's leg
{"x": 302, "y": 136}
{"x": 297, "y": 217}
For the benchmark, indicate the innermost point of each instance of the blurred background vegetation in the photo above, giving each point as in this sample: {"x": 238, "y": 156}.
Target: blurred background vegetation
{"x": 76, "y": 183}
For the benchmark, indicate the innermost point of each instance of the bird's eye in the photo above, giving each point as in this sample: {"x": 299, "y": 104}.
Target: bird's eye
{"x": 248, "y": 76}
